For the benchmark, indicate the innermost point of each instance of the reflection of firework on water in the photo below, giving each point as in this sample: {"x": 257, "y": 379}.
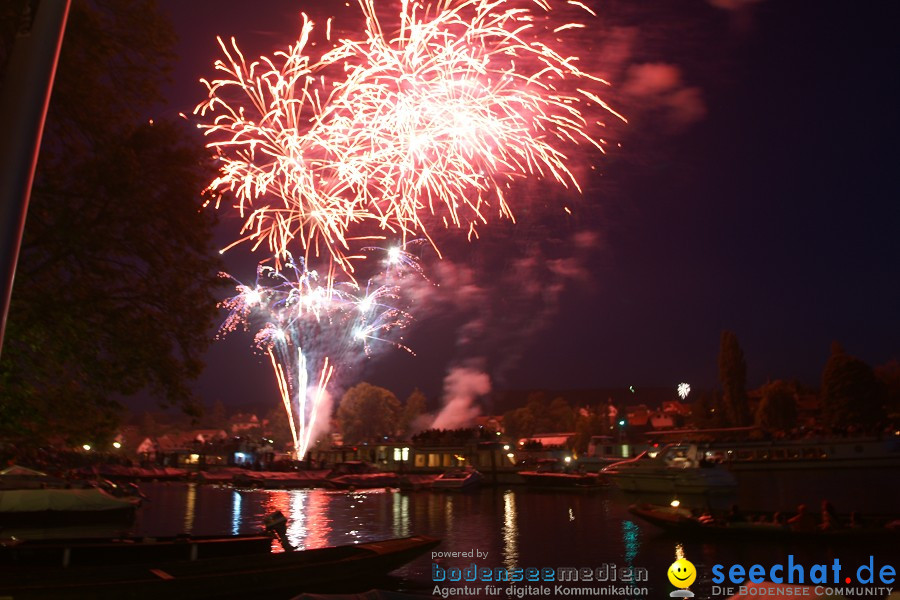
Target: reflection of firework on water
{"x": 437, "y": 119}
{"x": 683, "y": 390}
{"x": 307, "y": 328}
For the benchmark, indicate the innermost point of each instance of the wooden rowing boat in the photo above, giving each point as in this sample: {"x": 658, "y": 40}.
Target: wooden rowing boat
{"x": 243, "y": 576}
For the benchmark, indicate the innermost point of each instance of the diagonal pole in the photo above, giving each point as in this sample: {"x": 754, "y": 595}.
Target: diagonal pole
{"x": 24, "y": 98}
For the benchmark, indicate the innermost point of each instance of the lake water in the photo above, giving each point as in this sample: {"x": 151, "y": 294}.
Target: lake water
{"x": 508, "y": 527}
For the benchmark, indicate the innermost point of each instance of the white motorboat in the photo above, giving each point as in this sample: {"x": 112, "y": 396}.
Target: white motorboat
{"x": 28, "y": 496}
{"x": 676, "y": 468}
{"x": 463, "y": 478}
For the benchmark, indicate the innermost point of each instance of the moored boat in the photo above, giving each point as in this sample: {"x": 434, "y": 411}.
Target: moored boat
{"x": 675, "y": 468}
{"x": 462, "y": 478}
{"x": 29, "y": 497}
{"x": 413, "y": 482}
{"x": 356, "y": 474}
{"x": 126, "y": 550}
{"x": 682, "y": 522}
{"x": 241, "y": 576}
{"x": 551, "y": 473}
{"x": 279, "y": 479}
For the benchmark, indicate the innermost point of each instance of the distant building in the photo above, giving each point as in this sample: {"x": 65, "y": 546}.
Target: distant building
{"x": 242, "y": 423}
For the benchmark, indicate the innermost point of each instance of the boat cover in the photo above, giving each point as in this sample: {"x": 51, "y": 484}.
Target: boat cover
{"x": 86, "y": 499}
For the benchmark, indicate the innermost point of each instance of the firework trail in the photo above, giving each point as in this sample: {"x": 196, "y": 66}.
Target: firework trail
{"x": 308, "y": 327}
{"x": 431, "y": 124}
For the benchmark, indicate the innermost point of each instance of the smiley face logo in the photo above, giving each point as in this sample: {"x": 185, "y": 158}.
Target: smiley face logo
{"x": 682, "y": 573}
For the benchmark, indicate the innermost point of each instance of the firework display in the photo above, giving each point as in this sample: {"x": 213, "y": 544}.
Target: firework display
{"x": 307, "y": 327}
{"x": 428, "y": 125}
{"x": 386, "y": 135}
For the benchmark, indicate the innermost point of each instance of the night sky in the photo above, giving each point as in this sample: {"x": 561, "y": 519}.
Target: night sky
{"x": 753, "y": 190}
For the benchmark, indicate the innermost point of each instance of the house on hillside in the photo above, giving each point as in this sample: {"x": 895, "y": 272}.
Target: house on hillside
{"x": 184, "y": 449}
{"x": 243, "y": 423}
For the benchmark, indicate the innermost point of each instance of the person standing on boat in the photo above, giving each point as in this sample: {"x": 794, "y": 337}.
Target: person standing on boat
{"x": 735, "y": 515}
{"x": 803, "y": 521}
{"x": 830, "y": 520}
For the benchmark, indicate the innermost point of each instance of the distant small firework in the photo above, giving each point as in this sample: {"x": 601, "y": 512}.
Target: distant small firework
{"x": 307, "y": 327}
{"x": 437, "y": 119}
{"x": 683, "y": 390}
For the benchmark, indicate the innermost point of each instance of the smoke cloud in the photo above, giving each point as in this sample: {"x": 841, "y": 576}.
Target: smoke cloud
{"x": 501, "y": 308}
{"x": 462, "y": 387}
{"x": 659, "y": 87}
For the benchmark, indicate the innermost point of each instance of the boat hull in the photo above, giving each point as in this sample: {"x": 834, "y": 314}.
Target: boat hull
{"x": 665, "y": 481}
{"x": 560, "y": 480}
{"x": 677, "y": 521}
{"x": 63, "y": 506}
{"x": 231, "y": 577}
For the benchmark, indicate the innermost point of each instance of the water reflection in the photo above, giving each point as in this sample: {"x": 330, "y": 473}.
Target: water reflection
{"x": 510, "y": 531}
{"x": 235, "y": 512}
{"x": 631, "y": 541}
{"x": 400, "y": 514}
{"x": 318, "y": 525}
{"x": 190, "y": 508}
{"x": 297, "y": 517}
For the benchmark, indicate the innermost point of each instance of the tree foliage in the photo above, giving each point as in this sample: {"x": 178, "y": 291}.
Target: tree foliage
{"x": 851, "y": 393}
{"x": 733, "y": 377}
{"x": 368, "y": 412}
{"x": 706, "y": 409}
{"x": 114, "y": 285}
{"x": 278, "y": 428}
{"x": 539, "y": 416}
{"x": 889, "y": 376}
{"x": 777, "y": 409}
{"x": 413, "y": 409}
{"x": 589, "y": 423}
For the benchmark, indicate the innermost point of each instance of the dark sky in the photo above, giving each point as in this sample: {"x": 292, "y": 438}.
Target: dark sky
{"x": 753, "y": 190}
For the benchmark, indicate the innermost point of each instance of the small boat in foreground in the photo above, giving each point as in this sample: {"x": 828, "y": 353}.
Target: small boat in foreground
{"x": 682, "y": 522}
{"x": 254, "y": 575}
{"x": 463, "y": 478}
{"x": 126, "y": 550}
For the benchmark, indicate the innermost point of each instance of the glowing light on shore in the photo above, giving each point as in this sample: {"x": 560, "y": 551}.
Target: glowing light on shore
{"x": 430, "y": 125}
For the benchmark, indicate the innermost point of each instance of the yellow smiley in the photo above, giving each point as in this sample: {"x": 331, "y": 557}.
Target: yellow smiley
{"x": 682, "y": 573}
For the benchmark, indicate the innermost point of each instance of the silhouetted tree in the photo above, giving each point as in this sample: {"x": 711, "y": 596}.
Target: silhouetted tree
{"x": 777, "y": 407}
{"x": 368, "y": 412}
{"x": 519, "y": 423}
{"x": 412, "y": 410}
{"x": 851, "y": 394}
{"x": 559, "y": 416}
{"x": 589, "y": 423}
{"x": 733, "y": 377}
{"x": 277, "y": 427}
{"x": 113, "y": 290}
{"x": 706, "y": 410}
{"x": 889, "y": 376}
{"x": 539, "y": 416}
